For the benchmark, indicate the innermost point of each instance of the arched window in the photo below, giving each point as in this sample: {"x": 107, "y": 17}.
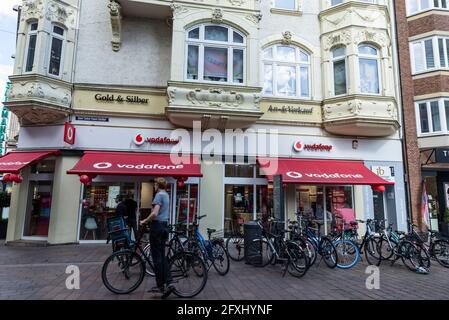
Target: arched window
{"x": 339, "y": 70}
{"x": 31, "y": 46}
{"x": 56, "y": 50}
{"x": 286, "y": 71}
{"x": 369, "y": 69}
{"x": 215, "y": 53}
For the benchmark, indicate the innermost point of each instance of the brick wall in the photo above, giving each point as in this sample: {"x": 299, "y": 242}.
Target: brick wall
{"x": 407, "y": 86}
{"x": 428, "y": 24}
{"x": 427, "y": 85}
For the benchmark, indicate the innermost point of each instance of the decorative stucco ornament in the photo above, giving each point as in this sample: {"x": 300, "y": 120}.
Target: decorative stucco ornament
{"x": 116, "y": 24}
{"x": 286, "y": 37}
{"x": 217, "y": 16}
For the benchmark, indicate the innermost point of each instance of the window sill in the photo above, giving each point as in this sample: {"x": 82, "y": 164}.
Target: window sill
{"x": 286, "y": 12}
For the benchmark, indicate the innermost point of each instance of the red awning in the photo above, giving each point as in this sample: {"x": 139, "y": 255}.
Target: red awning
{"x": 135, "y": 164}
{"x": 15, "y": 161}
{"x": 307, "y": 171}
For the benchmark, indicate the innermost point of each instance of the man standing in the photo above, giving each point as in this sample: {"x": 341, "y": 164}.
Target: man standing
{"x": 131, "y": 208}
{"x": 159, "y": 231}
{"x": 120, "y": 210}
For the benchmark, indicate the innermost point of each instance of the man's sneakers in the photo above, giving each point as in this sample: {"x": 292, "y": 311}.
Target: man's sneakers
{"x": 156, "y": 289}
{"x": 168, "y": 290}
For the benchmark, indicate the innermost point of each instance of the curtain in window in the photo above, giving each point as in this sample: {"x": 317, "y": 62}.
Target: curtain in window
{"x": 369, "y": 76}
{"x": 215, "y": 64}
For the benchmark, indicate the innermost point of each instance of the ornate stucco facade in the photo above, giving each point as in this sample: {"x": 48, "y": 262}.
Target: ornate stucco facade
{"x": 140, "y": 49}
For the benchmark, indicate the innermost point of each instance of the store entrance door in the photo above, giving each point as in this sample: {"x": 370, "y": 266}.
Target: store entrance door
{"x": 379, "y": 205}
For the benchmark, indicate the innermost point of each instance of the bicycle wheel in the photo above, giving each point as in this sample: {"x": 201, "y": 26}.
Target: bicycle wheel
{"x": 235, "y": 246}
{"x": 372, "y": 256}
{"x": 328, "y": 253}
{"x": 189, "y": 274}
{"x": 348, "y": 253}
{"x": 410, "y": 255}
{"x": 298, "y": 263}
{"x": 259, "y": 253}
{"x": 308, "y": 249}
{"x": 123, "y": 272}
{"x": 440, "y": 250}
{"x": 312, "y": 251}
{"x": 220, "y": 258}
{"x": 385, "y": 248}
{"x": 423, "y": 256}
{"x": 149, "y": 265}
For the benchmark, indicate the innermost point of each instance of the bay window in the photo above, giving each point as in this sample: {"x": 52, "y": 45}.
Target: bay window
{"x": 433, "y": 116}
{"x": 31, "y": 47}
{"x": 286, "y": 71}
{"x": 56, "y": 48}
{"x": 369, "y": 69}
{"x": 215, "y": 53}
{"x": 430, "y": 54}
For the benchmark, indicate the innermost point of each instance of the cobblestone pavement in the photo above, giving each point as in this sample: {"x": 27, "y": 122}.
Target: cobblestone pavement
{"x": 39, "y": 273}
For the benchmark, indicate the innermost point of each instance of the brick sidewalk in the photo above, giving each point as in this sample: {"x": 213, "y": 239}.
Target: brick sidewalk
{"x": 39, "y": 273}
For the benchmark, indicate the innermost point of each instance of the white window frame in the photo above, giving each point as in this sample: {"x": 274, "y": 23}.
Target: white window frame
{"x": 344, "y": 1}
{"x": 61, "y": 37}
{"x": 298, "y": 64}
{"x": 377, "y": 58}
{"x": 435, "y": 50}
{"x": 442, "y": 114}
{"x": 296, "y": 8}
{"x": 27, "y": 46}
{"x": 201, "y": 43}
{"x": 431, "y": 6}
{"x": 337, "y": 59}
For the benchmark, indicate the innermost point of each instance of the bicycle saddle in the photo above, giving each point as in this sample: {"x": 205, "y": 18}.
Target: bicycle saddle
{"x": 400, "y": 232}
{"x": 210, "y": 230}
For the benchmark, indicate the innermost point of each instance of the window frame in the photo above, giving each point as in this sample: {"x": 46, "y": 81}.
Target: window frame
{"x": 431, "y": 6}
{"x": 436, "y": 53}
{"x": 202, "y": 43}
{"x": 27, "y": 46}
{"x": 333, "y": 61}
{"x": 296, "y": 7}
{"x": 442, "y": 115}
{"x": 378, "y": 60}
{"x": 53, "y": 35}
{"x": 297, "y": 64}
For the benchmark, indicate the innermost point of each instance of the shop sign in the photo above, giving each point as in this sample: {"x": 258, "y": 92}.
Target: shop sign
{"x": 69, "y": 133}
{"x": 120, "y": 99}
{"x": 442, "y": 155}
{"x": 386, "y": 173}
{"x": 290, "y": 109}
{"x": 140, "y": 140}
{"x": 298, "y": 146}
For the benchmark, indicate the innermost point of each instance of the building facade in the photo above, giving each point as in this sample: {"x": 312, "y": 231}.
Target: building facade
{"x": 315, "y": 81}
{"x": 424, "y": 52}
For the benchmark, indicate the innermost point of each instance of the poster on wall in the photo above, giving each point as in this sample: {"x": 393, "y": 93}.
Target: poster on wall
{"x": 113, "y": 192}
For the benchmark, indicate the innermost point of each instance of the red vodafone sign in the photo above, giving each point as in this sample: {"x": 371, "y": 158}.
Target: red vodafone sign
{"x": 139, "y": 140}
{"x": 69, "y": 133}
{"x": 299, "y": 146}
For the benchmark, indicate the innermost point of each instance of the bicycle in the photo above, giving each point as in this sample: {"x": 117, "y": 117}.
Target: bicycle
{"x": 435, "y": 248}
{"x": 235, "y": 246}
{"x": 124, "y": 270}
{"x": 393, "y": 246}
{"x": 271, "y": 248}
{"x": 347, "y": 250}
{"x": 212, "y": 250}
{"x": 369, "y": 243}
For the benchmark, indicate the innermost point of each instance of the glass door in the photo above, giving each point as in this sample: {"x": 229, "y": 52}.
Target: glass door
{"x": 379, "y": 205}
{"x": 37, "y": 219}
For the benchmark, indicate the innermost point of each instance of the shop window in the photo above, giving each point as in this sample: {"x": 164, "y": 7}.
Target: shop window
{"x": 264, "y": 201}
{"x": 31, "y": 47}
{"x": 186, "y": 205}
{"x": 239, "y": 201}
{"x": 286, "y": 71}
{"x": 215, "y": 53}
{"x": 432, "y": 200}
{"x": 99, "y": 204}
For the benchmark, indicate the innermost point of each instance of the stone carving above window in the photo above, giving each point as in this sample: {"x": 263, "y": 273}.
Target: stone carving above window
{"x": 254, "y": 18}
{"x": 217, "y": 16}
{"x": 32, "y": 9}
{"x": 286, "y": 37}
{"x": 177, "y": 9}
{"x": 59, "y": 13}
{"x": 346, "y": 37}
{"x": 116, "y": 24}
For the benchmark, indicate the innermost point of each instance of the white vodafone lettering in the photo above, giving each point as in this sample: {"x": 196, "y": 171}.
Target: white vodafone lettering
{"x": 297, "y": 175}
{"x": 17, "y": 163}
{"x": 69, "y": 133}
{"x": 102, "y": 165}
{"x": 150, "y": 166}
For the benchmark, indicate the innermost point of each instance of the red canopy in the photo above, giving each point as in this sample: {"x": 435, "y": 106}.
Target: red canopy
{"x": 136, "y": 164}
{"x": 307, "y": 171}
{"x": 15, "y": 161}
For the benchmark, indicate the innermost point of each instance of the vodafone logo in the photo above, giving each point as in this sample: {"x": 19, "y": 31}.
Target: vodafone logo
{"x": 138, "y": 140}
{"x": 294, "y": 175}
{"x": 102, "y": 165}
{"x": 298, "y": 146}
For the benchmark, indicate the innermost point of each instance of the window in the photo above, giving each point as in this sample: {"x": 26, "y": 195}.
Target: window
{"x": 335, "y": 2}
{"x": 369, "y": 69}
{"x": 215, "y": 53}
{"x": 31, "y": 47}
{"x": 56, "y": 47}
{"x": 286, "y": 71}
{"x": 285, "y": 4}
{"x": 430, "y": 54}
{"x": 339, "y": 70}
{"x": 433, "y": 116}
{"x": 416, "y": 6}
